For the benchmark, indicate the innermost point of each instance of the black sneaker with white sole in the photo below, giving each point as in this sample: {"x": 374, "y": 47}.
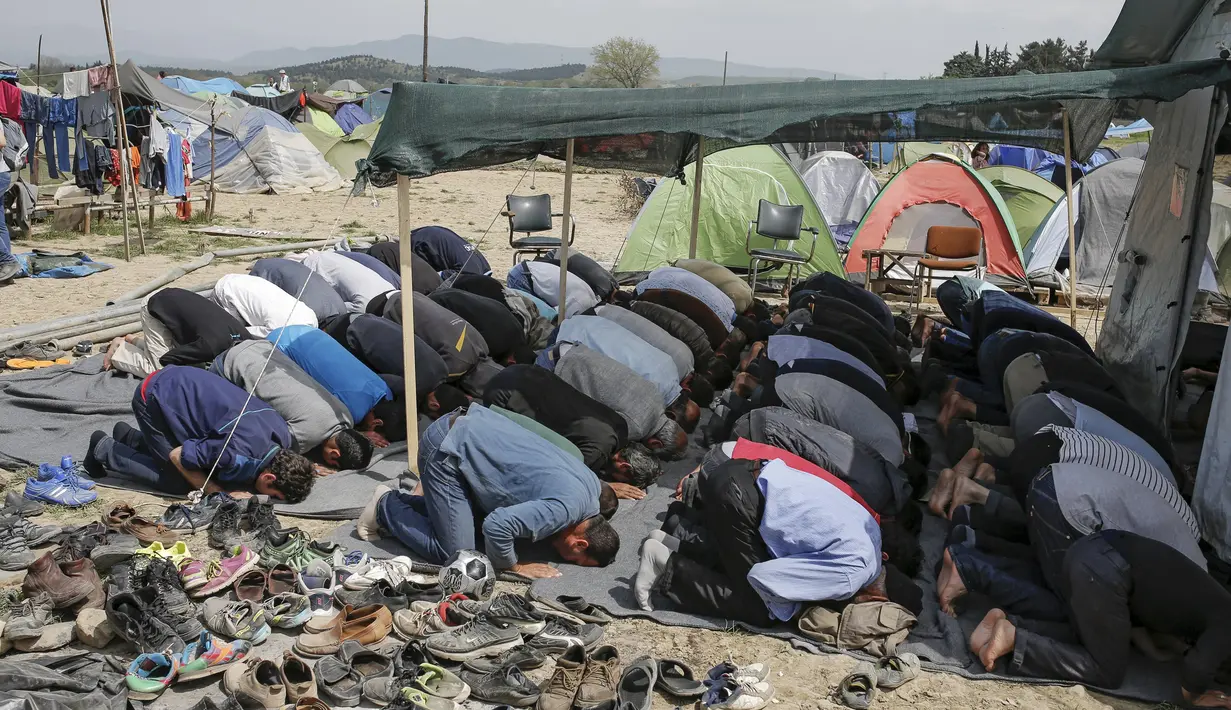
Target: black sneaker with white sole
{"x": 522, "y": 657}
{"x": 513, "y": 609}
{"x": 507, "y": 686}
{"x": 481, "y": 636}
{"x": 559, "y": 634}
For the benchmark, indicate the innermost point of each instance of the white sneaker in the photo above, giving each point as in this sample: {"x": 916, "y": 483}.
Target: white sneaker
{"x": 739, "y": 695}
{"x": 411, "y": 624}
{"x": 394, "y": 571}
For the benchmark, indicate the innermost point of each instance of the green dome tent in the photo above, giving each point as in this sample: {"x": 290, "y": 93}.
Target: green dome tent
{"x": 1029, "y": 197}
{"x": 342, "y": 151}
{"x": 733, "y": 184}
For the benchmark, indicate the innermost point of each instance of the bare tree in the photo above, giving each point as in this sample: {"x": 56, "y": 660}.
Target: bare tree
{"x": 625, "y": 61}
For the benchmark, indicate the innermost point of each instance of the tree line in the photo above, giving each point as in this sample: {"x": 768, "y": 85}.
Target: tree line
{"x": 1050, "y": 56}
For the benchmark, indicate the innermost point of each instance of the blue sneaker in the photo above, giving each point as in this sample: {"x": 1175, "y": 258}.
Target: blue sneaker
{"x": 58, "y": 491}
{"x": 72, "y": 471}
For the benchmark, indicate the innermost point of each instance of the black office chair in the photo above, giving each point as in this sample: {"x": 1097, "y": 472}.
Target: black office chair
{"x": 531, "y": 216}
{"x": 781, "y": 223}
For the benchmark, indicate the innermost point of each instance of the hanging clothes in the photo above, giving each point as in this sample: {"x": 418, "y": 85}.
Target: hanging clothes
{"x": 102, "y": 79}
{"x": 114, "y": 175}
{"x": 87, "y": 172}
{"x": 184, "y": 209}
{"x": 76, "y": 84}
{"x": 10, "y": 101}
{"x": 158, "y": 137}
{"x": 96, "y": 116}
{"x": 175, "y": 168}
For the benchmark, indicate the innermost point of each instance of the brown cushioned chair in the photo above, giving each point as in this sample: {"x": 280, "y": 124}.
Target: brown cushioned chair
{"x": 948, "y": 249}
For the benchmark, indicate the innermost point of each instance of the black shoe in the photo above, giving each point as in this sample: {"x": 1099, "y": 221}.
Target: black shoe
{"x": 90, "y": 463}
{"x": 9, "y": 269}
{"x": 523, "y": 658}
{"x": 17, "y": 504}
{"x": 224, "y": 533}
{"x": 507, "y": 686}
{"x": 134, "y": 623}
{"x": 412, "y": 655}
{"x": 172, "y": 609}
{"x": 379, "y": 593}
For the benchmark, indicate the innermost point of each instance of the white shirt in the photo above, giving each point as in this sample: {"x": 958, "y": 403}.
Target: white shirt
{"x": 284, "y": 84}
{"x": 354, "y": 282}
{"x": 260, "y": 304}
{"x": 159, "y": 142}
{"x": 546, "y": 280}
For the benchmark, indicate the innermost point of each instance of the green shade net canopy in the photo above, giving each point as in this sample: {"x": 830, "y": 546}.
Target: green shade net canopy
{"x": 432, "y": 128}
{"x": 1028, "y": 197}
{"x": 733, "y": 184}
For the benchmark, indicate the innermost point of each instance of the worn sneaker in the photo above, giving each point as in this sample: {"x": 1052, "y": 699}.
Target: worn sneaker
{"x": 113, "y": 548}
{"x": 180, "y": 617}
{"x": 733, "y": 694}
{"x": 316, "y": 583}
{"x": 480, "y": 636}
{"x": 753, "y": 672}
{"x": 507, "y": 686}
{"x": 561, "y": 690}
{"x": 135, "y": 623}
{"x": 523, "y": 657}
{"x": 287, "y": 610}
{"x": 513, "y": 609}
{"x": 15, "y": 554}
{"x": 395, "y": 571}
{"x": 150, "y": 674}
{"x": 598, "y": 683}
{"x": 415, "y": 699}
{"x": 348, "y": 564}
{"x": 37, "y": 535}
{"x": 225, "y": 532}
{"x": 194, "y": 574}
{"x": 58, "y": 491}
{"x": 229, "y": 568}
{"x": 418, "y": 623}
{"x": 183, "y": 516}
{"x": 560, "y": 634}
{"x": 75, "y": 473}
{"x": 243, "y": 620}
{"x": 287, "y": 547}
{"x": 16, "y": 504}
{"x": 209, "y": 655}
{"x": 28, "y": 619}
{"x": 379, "y": 593}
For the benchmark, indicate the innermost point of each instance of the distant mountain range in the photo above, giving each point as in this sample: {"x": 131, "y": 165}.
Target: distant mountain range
{"x": 480, "y": 55}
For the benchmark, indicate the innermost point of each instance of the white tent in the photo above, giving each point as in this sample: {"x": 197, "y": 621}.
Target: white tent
{"x": 842, "y": 185}
{"x": 1216, "y": 272}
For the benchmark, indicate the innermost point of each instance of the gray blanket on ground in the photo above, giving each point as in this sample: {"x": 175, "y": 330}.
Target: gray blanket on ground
{"x": 48, "y": 413}
{"x": 938, "y": 639}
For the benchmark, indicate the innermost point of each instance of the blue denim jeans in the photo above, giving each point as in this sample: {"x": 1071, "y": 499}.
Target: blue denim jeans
{"x": 441, "y": 521}
{"x": 143, "y": 455}
{"x": 518, "y": 279}
{"x": 6, "y": 249}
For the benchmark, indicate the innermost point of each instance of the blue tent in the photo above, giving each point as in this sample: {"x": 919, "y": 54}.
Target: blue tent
{"x": 221, "y": 85}
{"x": 350, "y": 117}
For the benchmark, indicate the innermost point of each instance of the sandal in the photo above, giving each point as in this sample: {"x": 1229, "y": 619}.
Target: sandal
{"x": 858, "y": 689}
{"x": 676, "y": 679}
{"x": 893, "y": 672}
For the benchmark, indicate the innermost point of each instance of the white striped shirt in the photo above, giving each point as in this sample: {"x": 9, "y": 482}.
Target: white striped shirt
{"x": 1081, "y": 447}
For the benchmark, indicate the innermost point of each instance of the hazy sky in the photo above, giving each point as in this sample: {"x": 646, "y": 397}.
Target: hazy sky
{"x": 901, "y": 38}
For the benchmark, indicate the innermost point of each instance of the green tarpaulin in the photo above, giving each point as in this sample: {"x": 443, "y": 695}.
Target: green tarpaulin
{"x": 733, "y": 184}
{"x": 1028, "y": 197}
{"x": 432, "y": 128}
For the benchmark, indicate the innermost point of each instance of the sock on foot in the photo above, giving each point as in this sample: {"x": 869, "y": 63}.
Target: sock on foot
{"x": 670, "y": 542}
{"x": 368, "y": 526}
{"x": 654, "y": 556}
{"x": 90, "y": 463}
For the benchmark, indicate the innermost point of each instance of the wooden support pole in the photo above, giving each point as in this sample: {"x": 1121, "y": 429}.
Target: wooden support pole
{"x": 425, "y": 41}
{"x": 696, "y": 198}
{"x": 408, "y": 325}
{"x": 125, "y": 170}
{"x": 1068, "y": 196}
{"x": 38, "y": 78}
{"x": 565, "y": 223}
{"x": 213, "y": 154}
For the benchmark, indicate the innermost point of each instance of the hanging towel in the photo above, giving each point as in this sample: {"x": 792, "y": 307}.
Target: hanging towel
{"x": 76, "y": 84}
{"x": 102, "y": 79}
{"x": 10, "y": 101}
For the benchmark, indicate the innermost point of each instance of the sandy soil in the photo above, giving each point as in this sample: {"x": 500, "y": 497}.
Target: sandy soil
{"x": 470, "y": 203}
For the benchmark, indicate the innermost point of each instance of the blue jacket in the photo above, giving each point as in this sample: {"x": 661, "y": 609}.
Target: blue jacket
{"x": 527, "y": 486}
{"x": 333, "y": 366}
{"x": 196, "y": 409}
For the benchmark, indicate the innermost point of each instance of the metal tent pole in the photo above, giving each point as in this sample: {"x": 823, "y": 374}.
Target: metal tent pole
{"x": 408, "y": 325}
{"x": 565, "y": 223}
{"x": 696, "y": 198}
{"x": 1068, "y": 196}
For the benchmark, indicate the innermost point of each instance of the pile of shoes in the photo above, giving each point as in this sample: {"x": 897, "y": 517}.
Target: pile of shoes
{"x": 18, "y": 535}
{"x": 27, "y": 355}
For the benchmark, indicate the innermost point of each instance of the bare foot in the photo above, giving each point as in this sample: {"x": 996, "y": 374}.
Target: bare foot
{"x": 945, "y": 416}
{"x": 967, "y": 492}
{"x": 986, "y": 473}
{"x": 757, "y": 347}
{"x": 969, "y": 464}
{"x": 938, "y": 502}
{"x": 949, "y": 586}
{"x": 1004, "y": 637}
{"x": 983, "y": 632}
{"x": 111, "y": 348}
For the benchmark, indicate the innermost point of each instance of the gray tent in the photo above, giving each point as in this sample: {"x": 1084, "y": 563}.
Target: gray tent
{"x": 1148, "y": 314}
{"x": 1103, "y": 199}
{"x": 347, "y": 85}
{"x": 1134, "y": 150}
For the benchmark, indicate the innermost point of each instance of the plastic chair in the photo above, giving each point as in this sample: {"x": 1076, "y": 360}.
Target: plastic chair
{"x": 781, "y": 223}
{"x": 533, "y": 216}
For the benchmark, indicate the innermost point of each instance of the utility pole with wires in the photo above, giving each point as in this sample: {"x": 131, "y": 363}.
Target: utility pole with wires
{"x": 425, "y": 41}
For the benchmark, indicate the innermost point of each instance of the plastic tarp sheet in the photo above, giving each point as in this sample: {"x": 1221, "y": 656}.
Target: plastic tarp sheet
{"x": 221, "y": 85}
{"x": 432, "y": 128}
{"x": 972, "y": 201}
{"x": 841, "y": 184}
{"x": 1139, "y": 126}
{"x": 286, "y": 105}
{"x": 1148, "y": 31}
{"x": 733, "y": 184}
{"x": 1029, "y": 198}
{"x": 263, "y": 90}
{"x": 350, "y": 117}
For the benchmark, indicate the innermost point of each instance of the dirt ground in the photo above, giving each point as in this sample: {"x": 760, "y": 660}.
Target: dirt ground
{"x": 470, "y": 204}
